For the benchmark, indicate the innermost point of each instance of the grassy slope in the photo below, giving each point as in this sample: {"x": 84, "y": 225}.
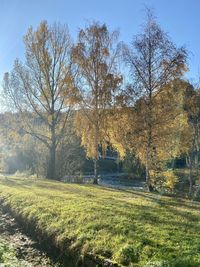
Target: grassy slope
{"x": 132, "y": 228}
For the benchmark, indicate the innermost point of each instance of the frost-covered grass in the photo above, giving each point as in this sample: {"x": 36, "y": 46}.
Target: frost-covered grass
{"x": 132, "y": 228}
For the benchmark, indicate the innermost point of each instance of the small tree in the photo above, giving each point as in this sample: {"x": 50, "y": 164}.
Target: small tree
{"x": 40, "y": 90}
{"x": 95, "y": 56}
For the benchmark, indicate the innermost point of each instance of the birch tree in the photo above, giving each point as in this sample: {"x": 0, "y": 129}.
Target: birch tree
{"x": 154, "y": 61}
{"x": 95, "y": 56}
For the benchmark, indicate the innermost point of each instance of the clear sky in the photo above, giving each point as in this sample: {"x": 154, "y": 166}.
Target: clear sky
{"x": 180, "y": 18}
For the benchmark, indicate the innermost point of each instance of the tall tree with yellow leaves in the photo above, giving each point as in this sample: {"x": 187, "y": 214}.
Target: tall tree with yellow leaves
{"x": 95, "y": 56}
{"x": 41, "y": 88}
{"x": 154, "y": 61}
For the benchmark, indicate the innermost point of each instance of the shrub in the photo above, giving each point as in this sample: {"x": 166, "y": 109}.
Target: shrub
{"x": 170, "y": 179}
{"x": 164, "y": 180}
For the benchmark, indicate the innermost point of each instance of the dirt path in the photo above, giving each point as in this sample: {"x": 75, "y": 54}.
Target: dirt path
{"x": 25, "y": 248}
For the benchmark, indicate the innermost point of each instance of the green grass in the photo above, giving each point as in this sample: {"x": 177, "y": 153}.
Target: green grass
{"x": 8, "y": 257}
{"x": 132, "y": 228}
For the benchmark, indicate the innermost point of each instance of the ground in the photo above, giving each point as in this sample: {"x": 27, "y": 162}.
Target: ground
{"x": 130, "y": 227}
{"x": 16, "y": 248}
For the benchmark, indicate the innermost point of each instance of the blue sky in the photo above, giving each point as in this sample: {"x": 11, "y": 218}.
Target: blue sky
{"x": 180, "y": 18}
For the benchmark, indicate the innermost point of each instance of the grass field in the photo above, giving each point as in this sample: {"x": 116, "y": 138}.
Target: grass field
{"x": 132, "y": 228}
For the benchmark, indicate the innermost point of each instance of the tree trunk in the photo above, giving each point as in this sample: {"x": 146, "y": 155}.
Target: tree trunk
{"x": 96, "y": 150}
{"x": 148, "y": 152}
{"x": 95, "y": 172}
{"x": 147, "y": 170}
{"x": 51, "y": 173}
{"x": 197, "y": 163}
{"x": 190, "y": 175}
{"x": 173, "y": 164}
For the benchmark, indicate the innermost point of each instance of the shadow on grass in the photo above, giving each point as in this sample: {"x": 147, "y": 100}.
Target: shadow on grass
{"x": 158, "y": 198}
{"x": 16, "y": 182}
